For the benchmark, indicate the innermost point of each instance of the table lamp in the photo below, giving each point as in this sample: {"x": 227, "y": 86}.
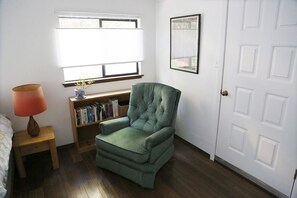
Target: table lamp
{"x": 29, "y": 100}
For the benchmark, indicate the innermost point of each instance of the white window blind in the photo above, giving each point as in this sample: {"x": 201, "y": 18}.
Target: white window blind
{"x": 82, "y": 47}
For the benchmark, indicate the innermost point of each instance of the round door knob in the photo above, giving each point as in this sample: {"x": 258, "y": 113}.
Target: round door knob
{"x": 224, "y": 93}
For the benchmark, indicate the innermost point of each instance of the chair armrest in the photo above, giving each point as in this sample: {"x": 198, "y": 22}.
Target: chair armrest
{"x": 113, "y": 125}
{"x": 158, "y": 137}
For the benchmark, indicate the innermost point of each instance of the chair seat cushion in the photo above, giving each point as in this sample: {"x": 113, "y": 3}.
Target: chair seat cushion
{"x": 127, "y": 143}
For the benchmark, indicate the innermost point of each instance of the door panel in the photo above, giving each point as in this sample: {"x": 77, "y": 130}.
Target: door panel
{"x": 258, "y": 118}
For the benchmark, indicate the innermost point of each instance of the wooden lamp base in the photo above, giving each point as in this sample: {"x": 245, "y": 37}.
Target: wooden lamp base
{"x": 33, "y": 128}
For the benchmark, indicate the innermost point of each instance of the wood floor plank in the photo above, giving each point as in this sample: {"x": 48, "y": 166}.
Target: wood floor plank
{"x": 189, "y": 173}
{"x": 36, "y": 193}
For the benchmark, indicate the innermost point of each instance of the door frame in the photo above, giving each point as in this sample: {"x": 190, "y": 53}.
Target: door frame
{"x": 221, "y": 66}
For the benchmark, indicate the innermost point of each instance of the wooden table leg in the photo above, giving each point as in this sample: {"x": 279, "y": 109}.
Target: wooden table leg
{"x": 19, "y": 162}
{"x": 54, "y": 154}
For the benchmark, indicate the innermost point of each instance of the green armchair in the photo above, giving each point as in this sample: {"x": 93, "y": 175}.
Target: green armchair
{"x": 138, "y": 145}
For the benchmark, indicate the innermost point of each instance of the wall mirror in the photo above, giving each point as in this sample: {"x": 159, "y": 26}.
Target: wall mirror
{"x": 184, "y": 43}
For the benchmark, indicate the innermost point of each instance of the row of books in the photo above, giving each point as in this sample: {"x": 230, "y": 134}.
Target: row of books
{"x": 96, "y": 112}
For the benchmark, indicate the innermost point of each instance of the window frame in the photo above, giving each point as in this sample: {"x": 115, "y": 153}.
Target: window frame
{"x": 104, "y": 80}
{"x": 117, "y": 19}
{"x": 116, "y": 75}
{"x": 107, "y": 78}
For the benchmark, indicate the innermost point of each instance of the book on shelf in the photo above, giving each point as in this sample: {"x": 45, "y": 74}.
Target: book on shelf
{"x": 103, "y": 109}
{"x": 75, "y": 117}
{"x": 115, "y": 107}
{"x": 109, "y": 110}
{"x": 90, "y": 114}
{"x": 85, "y": 115}
{"x": 81, "y": 115}
{"x": 96, "y": 111}
{"x": 78, "y": 116}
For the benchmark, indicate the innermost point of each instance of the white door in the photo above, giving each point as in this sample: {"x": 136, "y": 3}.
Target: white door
{"x": 258, "y": 118}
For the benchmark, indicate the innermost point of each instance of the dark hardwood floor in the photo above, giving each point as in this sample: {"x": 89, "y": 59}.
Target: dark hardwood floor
{"x": 189, "y": 173}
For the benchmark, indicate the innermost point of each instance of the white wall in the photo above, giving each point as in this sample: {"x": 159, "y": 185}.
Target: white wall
{"x": 198, "y": 110}
{"x": 27, "y": 51}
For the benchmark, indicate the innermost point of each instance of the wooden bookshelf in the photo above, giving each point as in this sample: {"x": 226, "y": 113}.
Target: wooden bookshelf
{"x": 84, "y": 134}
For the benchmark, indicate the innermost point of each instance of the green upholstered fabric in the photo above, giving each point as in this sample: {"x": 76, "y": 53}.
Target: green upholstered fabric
{"x": 114, "y": 125}
{"x": 127, "y": 142}
{"x": 142, "y": 174}
{"x": 158, "y": 137}
{"x": 138, "y": 145}
{"x": 158, "y": 150}
{"x": 152, "y": 106}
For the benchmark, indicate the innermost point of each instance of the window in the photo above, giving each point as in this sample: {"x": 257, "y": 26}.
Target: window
{"x": 118, "y": 69}
{"x": 86, "y": 72}
{"x": 111, "y": 23}
{"x": 98, "y": 48}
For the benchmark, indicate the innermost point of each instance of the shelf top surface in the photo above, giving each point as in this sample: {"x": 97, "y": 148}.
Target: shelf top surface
{"x": 98, "y": 95}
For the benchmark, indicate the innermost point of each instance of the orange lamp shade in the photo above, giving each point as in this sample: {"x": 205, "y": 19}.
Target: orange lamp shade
{"x": 28, "y": 100}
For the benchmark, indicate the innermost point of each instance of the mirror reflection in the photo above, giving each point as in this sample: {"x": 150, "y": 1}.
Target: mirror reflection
{"x": 184, "y": 48}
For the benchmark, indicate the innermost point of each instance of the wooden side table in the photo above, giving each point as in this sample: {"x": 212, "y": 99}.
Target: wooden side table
{"x": 23, "y": 144}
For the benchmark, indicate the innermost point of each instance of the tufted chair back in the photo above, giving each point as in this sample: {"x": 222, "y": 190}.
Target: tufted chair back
{"x": 152, "y": 106}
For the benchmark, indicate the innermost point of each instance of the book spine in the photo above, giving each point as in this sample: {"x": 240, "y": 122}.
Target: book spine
{"x": 81, "y": 114}
{"x": 116, "y": 107}
{"x": 75, "y": 116}
{"x": 85, "y": 113}
{"x": 89, "y": 112}
{"x": 94, "y": 111}
{"x": 78, "y": 116}
{"x": 99, "y": 111}
{"x": 103, "y": 110}
{"x": 110, "y": 112}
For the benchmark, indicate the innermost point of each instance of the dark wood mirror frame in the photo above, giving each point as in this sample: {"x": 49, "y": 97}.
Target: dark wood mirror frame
{"x": 185, "y": 43}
